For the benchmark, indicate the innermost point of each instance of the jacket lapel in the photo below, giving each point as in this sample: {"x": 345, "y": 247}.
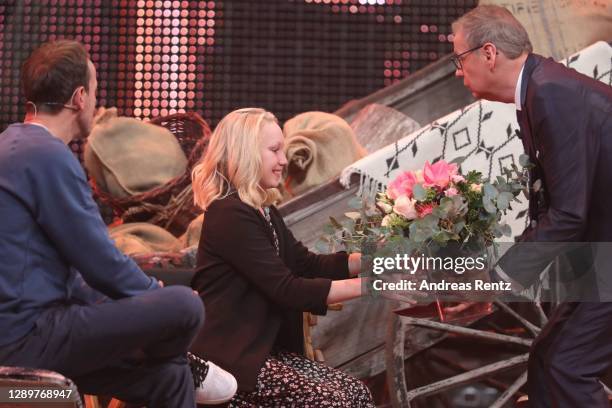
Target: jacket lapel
{"x": 529, "y": 143}
{"x": 523, "y": 115}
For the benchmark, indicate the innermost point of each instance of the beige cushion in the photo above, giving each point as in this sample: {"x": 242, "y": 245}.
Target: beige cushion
{"x": 126, "y": 156}
{"x": 318, "y": 146}
{"x": 191, "y": 237}
{"x": 142, "y": 238}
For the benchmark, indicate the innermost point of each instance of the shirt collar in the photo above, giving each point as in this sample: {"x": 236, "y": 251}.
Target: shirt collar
{"x": 517, "y": 90}
{"x": 37, "y": 124}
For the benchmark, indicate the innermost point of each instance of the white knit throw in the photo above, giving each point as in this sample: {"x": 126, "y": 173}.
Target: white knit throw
{"x": 484, "y": 133}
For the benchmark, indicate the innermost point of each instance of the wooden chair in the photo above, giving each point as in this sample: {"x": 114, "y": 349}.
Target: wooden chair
{"x": 309, "y": 321}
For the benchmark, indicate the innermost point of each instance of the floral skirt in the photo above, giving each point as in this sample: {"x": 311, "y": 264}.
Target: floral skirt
{"x": 290, "y": 380}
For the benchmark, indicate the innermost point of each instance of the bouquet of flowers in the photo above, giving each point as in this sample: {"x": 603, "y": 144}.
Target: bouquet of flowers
{"x": 434, "y": 212}
{"x": 432, "y": 207}
{"x": 437, "y": 203}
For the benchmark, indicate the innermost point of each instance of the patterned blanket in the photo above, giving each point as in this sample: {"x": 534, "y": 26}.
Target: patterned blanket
{"x": 484, "y": 133}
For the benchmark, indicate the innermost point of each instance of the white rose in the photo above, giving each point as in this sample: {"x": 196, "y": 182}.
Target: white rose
{"x": 387, "y": 208}
{"x": 385, "y": 221}
{"x": 404, "y": 206}
{"x": 476, "y": 187}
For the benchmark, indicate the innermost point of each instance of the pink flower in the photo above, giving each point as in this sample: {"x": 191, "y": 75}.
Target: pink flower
{"x": 451, "y": 192}
{"x": 458, "y": 178}
{"x": 425, "y": 209}
{"x": 439, "y": 173}
{"x": 404, "y": 206}
{"x": 402, "y": 185}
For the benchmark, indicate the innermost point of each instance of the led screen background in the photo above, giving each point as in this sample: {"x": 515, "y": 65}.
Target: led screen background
{"x": 159, "y": 57}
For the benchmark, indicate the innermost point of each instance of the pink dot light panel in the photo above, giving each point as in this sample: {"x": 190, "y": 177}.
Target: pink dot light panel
{"x": 157, "y": 57}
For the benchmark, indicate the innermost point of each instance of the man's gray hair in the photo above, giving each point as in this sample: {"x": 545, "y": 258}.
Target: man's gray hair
{"x": 496, "y": 25}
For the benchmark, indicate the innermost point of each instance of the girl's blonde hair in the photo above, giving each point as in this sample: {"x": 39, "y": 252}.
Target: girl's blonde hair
{"x": 232, "y": 160}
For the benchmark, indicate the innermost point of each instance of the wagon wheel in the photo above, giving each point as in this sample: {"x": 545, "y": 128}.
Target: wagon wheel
{"x": 403, "y": 342}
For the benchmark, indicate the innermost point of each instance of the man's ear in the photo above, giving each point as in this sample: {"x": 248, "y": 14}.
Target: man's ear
{"x": 79, "y": 97}
{"x": 490, "y": 51}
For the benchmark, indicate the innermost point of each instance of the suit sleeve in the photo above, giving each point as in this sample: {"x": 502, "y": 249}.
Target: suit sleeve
{"x": 236, "y": 234}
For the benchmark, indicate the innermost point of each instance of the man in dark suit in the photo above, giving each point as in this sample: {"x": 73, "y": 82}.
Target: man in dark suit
{"x": 566, "y": 127}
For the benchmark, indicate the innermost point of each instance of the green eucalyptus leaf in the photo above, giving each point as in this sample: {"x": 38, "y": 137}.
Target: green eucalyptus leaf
{"x": 485, "y": 216}
{"x": 441, "y": 236}
{"x": 431, "y": 221}
{"x": 460, "y": 205}
{"x": 419, "y": 236}
{"x": 506, "y": 230}
{"x": 502, "y": 204}
{"x": 446, "y": 204}
{"x": 423, "y": 229}
{"x": 488, "y": 205}
{"x": 329, "y": 229}
{"x": 497, "y": 231}
{"x": 348, "y": 225}
{"x": 490, "y": 191}
{"x": 524, "y": 160}
{"x": 458, "y": 227}
{"x": 444, "y": 209}
{"x": 503, "y": 201}
{"x": 440, "y": 212}
{"x": 375, "y": 231}
{"x": 355, "y": 203}
{"x": 322, "y": 247}
{"x": 419, "y": 192}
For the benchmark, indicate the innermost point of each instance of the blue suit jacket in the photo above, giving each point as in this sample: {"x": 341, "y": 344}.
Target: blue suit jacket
{"x": 566, "y": 128}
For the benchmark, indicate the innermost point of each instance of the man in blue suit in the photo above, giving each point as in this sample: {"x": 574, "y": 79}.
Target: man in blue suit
{"x": 565, "y": 120}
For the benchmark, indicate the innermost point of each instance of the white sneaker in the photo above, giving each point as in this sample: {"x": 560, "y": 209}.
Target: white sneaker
{"x": 213, "y": 384}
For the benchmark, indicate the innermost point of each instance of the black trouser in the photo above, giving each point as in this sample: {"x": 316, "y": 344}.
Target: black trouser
{"x": 133, "y": 348}
{"x": 571, "y": 354}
